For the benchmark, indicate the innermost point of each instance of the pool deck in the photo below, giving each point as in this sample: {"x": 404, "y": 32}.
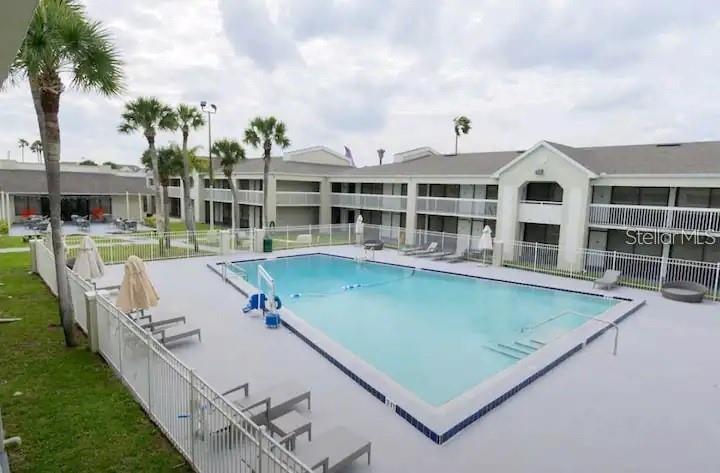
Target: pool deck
{"x": 653, "y": 407}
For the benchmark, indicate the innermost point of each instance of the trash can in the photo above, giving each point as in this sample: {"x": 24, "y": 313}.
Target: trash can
{"x": 267, "y": 245}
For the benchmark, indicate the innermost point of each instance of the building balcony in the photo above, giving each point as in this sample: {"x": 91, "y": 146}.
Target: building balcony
{"x": 174, "y": 191}
{"x": 536, "y": 211}
{"x": 654, "y": 218}
{"x": 297, "y": 199}
{"x": 393, "y": 203}
{"x": 470, "y": 208}
{"x": 225, "y": 195}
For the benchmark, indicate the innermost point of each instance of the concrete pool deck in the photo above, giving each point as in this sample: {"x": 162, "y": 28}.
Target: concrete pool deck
{"x": 653, "y": 407}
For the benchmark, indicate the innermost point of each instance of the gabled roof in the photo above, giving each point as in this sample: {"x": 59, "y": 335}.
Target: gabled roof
{"x": 558, "y": 149}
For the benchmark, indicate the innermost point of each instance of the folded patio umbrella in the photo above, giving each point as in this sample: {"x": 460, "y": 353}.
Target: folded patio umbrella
{"x": 88, "y": 263}
{"x": 486, "y": 242}
{"x": 136, "y": 290}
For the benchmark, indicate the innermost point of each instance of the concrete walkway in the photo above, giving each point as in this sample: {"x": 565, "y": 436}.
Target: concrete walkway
{"x": 20, "y": 249}
{"x": 652, "y": 408}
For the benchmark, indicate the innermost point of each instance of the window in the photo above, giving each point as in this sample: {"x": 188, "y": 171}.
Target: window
{"x": 336, "y": 187}
{"x": 421, "y": 221}
{"x": 708, "y": 251}
{"x": 624, "y": 195}
{"x": 422, "y": 190}
{"x": 702, "y": 197}
{"x": 403, "y": 189}
{"x": 452, "y": 190}
{"x": 544, "y": 192}
{"x": 371, "y": 188}
{"x": 636, "y": 243}
{"x": 541, "y": 233}
{"x": 491, "y": 192}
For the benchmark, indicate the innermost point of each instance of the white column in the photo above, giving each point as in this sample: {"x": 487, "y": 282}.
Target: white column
{"x": 3, "y": 207}
{"x": 411, "y": 213}
{"x": 182, "y": 200}
{"x": 140, "y": 207}
{"x": 127, "y": 204}
{"x": 325, "y": 203}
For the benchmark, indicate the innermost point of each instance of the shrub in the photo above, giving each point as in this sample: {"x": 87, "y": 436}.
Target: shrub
{"x": 4, "y": 227}
{"x": 149, "y": 221}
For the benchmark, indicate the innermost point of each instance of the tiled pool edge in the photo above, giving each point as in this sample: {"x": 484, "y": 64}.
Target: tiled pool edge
{"x": 436, "y": 437}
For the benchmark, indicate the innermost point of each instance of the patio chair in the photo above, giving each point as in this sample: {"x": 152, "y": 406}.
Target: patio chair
{"x": 608, "y": 280}
{"x": 271, "y": 403}
{"x": 458, "y": 256}
{"x": 432, "y": 246}
{"x": 163, "y": 324}
{"x": 405, "y": 251}
{"x": 333, "y": 450}
{"x": 175, "y": 333}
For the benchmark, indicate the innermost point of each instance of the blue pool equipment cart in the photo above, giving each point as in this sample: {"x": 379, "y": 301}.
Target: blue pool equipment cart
{"x": 272, "y": 320}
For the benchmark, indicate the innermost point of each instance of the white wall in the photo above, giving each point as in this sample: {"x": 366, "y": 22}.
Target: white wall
{"x": 291, "y": 216}
{"x": 576, "y": 196}
{"x": 120, "y": 209}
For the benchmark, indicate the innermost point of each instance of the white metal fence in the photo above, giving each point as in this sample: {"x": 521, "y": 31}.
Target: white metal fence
{"x": 640, "y": 271}
{"x": 212, "y": 434}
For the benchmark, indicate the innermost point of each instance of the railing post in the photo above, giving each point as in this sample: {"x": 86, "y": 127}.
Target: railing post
{"x": 614, "y": 261}
{"x": 92, "y": 320}
{"x": 261, "y": 448}
{"x": 717, "y": 278}
{"x": 193, "y": 414}
{"x": 187, "y": 243}
{"x": 148, "y": 341}
{"x": 535, "y": 255}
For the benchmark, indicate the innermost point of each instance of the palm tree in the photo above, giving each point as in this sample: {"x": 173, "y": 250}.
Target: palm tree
{"x": 169, "y": 162}
{"x": 188, "y": 117}
{"x": 264, "y": 132}
{"x": 148, "y": 114}
{"x": 22, "y": 144}
{"x": 36, "y": 147}
{"x": 230, "y": 152}
{"x": 462, "y": 125}
{"x": 62, "y": 39}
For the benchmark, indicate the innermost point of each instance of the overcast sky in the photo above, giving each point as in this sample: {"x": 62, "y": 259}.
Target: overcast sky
{"x": 393, "y": 73}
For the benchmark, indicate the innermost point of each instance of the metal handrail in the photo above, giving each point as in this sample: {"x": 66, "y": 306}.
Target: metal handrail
{"x": 571, "y": 312}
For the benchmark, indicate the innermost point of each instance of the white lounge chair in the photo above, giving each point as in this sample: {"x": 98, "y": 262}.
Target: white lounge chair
{"x": 171, "y": 334}
{"x": 333, "y": 450}
{"x": 431, "y": 248}
{"x": 271, "y": 403}
{"x": 608, "y": 280}
{"x": 411, "y": 249}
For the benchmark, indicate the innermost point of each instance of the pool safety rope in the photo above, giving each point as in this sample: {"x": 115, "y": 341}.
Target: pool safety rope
{"x": 349, "y": 287}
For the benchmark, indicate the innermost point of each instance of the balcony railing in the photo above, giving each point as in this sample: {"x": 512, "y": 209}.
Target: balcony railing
{"x": 649, "y": 217}
{"x": 397, "y": 203}
{"x": 483, "y": 208}
{"x": 538, "y": 211}
{"x": 289, "y": 199}
{"x": 225, "y": 195}
{"x": 175, "y": 191}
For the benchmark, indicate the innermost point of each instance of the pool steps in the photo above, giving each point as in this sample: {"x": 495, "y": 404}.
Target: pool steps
{"x": 518, "y": 350}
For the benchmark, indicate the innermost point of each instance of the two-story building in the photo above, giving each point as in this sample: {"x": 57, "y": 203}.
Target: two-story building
{"x": 619, "y": 198}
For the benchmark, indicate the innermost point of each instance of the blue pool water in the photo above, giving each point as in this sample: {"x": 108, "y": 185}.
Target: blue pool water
{"x": 428, "y": 331}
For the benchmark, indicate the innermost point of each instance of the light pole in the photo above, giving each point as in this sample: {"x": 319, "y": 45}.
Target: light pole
{"x": 211, "y": 110}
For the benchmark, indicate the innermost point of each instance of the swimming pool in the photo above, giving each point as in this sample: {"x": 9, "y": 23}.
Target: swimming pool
{"x": 435, "y": 334}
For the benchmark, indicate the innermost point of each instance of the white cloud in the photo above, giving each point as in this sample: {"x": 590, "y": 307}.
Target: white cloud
{"x": 393, "y": 73}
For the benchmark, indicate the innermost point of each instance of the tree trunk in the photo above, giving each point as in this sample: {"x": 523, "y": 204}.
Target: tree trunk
{"x": 236, "y": 199}
{"x": 166, "y": 213}
{"x": 50, "y": 132}
{"x": 266, "y": 177}
{"x": 189, "y": 211}
{"x": 159, "y": 204}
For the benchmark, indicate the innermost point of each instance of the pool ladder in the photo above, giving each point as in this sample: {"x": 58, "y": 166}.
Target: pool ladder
{"x": 518, "y": 350}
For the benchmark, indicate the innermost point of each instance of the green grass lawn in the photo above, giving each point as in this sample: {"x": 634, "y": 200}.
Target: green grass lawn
{"x": 179, "y": 226}
{"x": 72, "y": 413}
{"x": 12, "y": 241}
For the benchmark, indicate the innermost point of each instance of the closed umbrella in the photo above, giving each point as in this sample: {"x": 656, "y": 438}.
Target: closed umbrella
{"x": 359, "y": 229}
{"x": 88, "y": 263}
{"x": 136, "y": 291}
{"x": 486, "y": 242}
